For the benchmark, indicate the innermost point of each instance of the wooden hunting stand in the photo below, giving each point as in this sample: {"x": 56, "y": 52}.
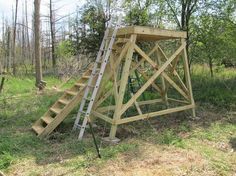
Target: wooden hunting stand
{"x": 162, "y": 74}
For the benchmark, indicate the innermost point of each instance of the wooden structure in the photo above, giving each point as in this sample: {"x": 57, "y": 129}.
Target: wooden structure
{"x": 157, "y": 71}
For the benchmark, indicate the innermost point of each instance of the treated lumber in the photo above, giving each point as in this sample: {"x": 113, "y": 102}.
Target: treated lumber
{"x": 123, "y": 83}
{"x": 187, "y": 78}
{"x": 150, "y": 33}
{"x": 152, "y": 78}
{"x": 102, "y": 116}
{"x": 153, "y": 114}
{"x": 155, "y": 66}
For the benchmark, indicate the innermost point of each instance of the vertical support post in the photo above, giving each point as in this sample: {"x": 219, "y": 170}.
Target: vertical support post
{"x": 163, "y": 83}
{"x": 123, "y": 84}
{"x": 187, "y": 78}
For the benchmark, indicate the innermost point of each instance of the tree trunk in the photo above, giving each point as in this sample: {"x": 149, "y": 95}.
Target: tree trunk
{"x": 38, "y": 64}
{"x": 211, "y": 66}
{"x": 52, "y": 28}
{"x": 14, "y": 41}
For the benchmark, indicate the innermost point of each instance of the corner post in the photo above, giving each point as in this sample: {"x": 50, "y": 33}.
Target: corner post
{"x": 187, "y": 77}
{"x": 123, "y": 84}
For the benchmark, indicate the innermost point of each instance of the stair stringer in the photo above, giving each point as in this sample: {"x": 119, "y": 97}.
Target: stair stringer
{"x": 44, "y": 131}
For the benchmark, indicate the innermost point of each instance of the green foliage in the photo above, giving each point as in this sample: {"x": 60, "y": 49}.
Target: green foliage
{"x": 169, "y": 137}
{"x": 217, "y": 91}
{"x": 138, "y": 12}
{"x": 6, "y": 160}
{"x": 65, "y": 49}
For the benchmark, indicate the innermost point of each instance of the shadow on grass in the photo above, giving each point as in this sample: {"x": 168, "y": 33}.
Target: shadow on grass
{"x": 18, "y": 141}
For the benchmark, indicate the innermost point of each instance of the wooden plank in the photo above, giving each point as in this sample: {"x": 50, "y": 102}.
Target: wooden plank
{"x": 102, "y": 116}
{"x": 187, "y": 78}
{"x": 61, "y": 116}
{"x": 123, "y": 83}
{"x": 179, "y": 101}
{"x": 137, "y": 105}
{"x": 155, "y": 66}
{"x": 148, "y": 102}
{"x": 140, "y": 103}
{"x": 173, "y": 69}
{"x": 163, "y": 83}
{"x": 150, "y": 33}
{"x": 155, "y": 86}
{"x": 153, "y": 114}
{"x": 101, "y": 97}
{"x": 152, "y": 78}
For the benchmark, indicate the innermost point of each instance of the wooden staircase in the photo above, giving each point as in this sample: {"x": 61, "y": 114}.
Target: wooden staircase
{"x": 59, "y": 110}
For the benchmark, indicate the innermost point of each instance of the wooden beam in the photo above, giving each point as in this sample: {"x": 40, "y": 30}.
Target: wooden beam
{"x": 152, "y": 78}
{"x": 123, "y": 83}
{"x": 102, "y": 116}
{"x": 164, "y": 94}
{"x": 101, "y": 98}
{"x": 155, "y": 86}
{"x": 153, "y": 114}
{"x": 150, "y": 33}
{"x": 140, "y": 103}
{"x": 137, "y": 105}
{"x": 155, "y": 66}
{"x": 187, "y": 78}
{"x": 173, "y": 69}
{"x": 178, "y": 101}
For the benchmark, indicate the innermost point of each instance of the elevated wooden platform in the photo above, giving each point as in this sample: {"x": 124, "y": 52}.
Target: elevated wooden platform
{"x": 165, "y": 73}
{"x": 150, "y": 33}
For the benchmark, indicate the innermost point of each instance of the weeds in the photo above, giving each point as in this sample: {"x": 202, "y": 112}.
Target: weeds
{"x": 61, "y": 151}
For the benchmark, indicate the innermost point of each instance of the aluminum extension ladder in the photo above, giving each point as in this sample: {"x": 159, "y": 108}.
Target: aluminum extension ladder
{"x": 97, "y": 73}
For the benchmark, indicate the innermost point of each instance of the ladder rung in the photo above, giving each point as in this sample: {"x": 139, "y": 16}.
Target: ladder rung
{"x": 71, "y": 92}
{"x": 47, "y": 119}
{"x": 55, "y": 110}
{"x": 89, "y": 99}
{"x": 38, "y": 129}
{"x": 64, "y": 101}
{"x": 83, "y": 112}
{"x": 80, "y": 84}
{"x": 92, "y": 86}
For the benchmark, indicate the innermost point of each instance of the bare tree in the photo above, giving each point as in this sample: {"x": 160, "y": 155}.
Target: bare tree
{"x": 184, "y": 10}
{"x": 53, "y": 31}
{"x": 38, "y": 65}
{"x": 14, "y": 41}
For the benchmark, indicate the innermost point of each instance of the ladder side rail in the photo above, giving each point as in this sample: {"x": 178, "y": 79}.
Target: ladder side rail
{"x": 92, "y": 76}
{"x": 99, "y": 78}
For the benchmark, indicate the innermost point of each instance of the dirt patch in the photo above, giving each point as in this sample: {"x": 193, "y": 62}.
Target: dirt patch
{"x": 154, "y": 160}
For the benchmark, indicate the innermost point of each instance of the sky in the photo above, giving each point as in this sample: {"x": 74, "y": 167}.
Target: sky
{"x": 65, "y": 7}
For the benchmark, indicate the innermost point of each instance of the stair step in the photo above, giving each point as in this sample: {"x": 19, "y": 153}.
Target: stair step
{"x": 80, "y": 84}
{"x": 56, "y": 110}
{"x": 71, "y": 92}
{"x": 38, "y": 129}
{"x": 64, "y": 101}
{"x": 47, "y": 119}
{"x": 86, "y": 77}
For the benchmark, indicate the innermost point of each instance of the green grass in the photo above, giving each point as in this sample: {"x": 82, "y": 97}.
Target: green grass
{"x": 219, "y": 91}
{"x": 212, "y": 136}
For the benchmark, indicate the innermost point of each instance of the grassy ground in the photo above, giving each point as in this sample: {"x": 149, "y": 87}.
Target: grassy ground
{"x": 168, "y": 145}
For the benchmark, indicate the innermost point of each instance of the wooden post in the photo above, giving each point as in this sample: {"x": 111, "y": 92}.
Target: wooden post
{"x": 164, "y": 90}
{"x": 124, "y": 80}
{"x": 187, "y": 78}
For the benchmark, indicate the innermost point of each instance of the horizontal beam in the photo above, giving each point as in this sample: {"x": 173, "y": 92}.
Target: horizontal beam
{"x": 153, "y": 114}
{"x": 179, "y": 101}
{"x": 150, "y": 33}
{"x": 140, "y": 103}
{"x": 102, "y": 116}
